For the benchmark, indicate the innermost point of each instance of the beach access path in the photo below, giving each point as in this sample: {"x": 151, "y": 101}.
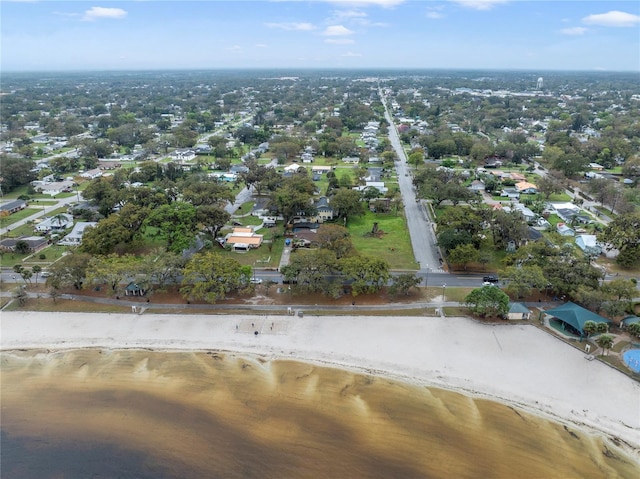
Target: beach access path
{"x": 520, "y": 365}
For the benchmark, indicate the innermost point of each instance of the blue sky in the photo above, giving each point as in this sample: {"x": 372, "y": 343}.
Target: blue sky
{"x": 474, "y": 34}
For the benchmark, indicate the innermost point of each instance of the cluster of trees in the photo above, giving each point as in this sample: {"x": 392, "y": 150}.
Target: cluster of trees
{"x": 623, "y": 234}
{"x": 443, "y": 184}
{"x": 133, "y": 214}
{"x": 464, "y": 230}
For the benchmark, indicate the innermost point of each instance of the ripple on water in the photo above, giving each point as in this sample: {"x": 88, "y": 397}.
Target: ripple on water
{"x": 157, "y": 414}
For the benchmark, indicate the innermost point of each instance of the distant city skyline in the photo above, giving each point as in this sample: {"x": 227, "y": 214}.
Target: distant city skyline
{"x": 290, "y": 34}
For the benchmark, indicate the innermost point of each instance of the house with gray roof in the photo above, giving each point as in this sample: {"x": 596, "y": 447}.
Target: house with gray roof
{"x": 11, "y": 207}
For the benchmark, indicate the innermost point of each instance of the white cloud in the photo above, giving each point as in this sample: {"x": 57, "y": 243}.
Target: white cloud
{"x": 95, "y": 13}
{"x": 351, "y": 54}
{"x": 292, "y": 26}
{"x": 574, "y": 31}
{"x": 339, "y": 41}
{"x": 337, "y": 31}
{"x": 613, "y": 18}
{"x": 364, "y": 3}
{"x": 480, "y": 4}
{"x": 261, "y": 45}
{"x": 434, "y": 15}
{"x": 341, "y": 15}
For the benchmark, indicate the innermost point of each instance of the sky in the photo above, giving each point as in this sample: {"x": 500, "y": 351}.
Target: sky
{"x": 392, "y": 34}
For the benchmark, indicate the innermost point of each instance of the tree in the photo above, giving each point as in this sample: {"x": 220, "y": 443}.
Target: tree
{"x": 602, "y": 328}
{"x": 112, "y": 270}
{"x": 211, "y": 219}
{"x": 70, "y": 270}
{"x": 163, "y": 266}
{"x": 522, "y": 279}
{"x": 591, "y": 298}
{"x": 16, "y": 172}
{"x": 200, "y": 191}
{"x": 311, "y": 270}
{"x": 404, "y": 282}
{"x": 449, "y": 239}
{"x": 22, "y": 247}
{"x": 605, "y": 341}
{"x": 463, "y": 254}
{"x": 634, "y": 329}
{"x": 346, "y": 203}
{"x": 335, "y": 238}
{"x": 210, "y": 276}
{"x": 589, "y": 328}
{"x": 623, "y": 233}
{"x": 488, "y": 301}
{"x": 547, "y": 185}
{"x": 620, "y": 289}
{"x": 293, "y": 198}
{"x": 369, "y": 274}
{"x": 20, "y": 295}
{"x": 416, "y": 158}
{"x": 108, "y": 236}
{"x": 36, "y": 270}
{"x": 175, "y": 223}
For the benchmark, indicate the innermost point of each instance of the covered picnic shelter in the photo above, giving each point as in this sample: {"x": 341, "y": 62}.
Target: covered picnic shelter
{"x": 575, "y": 316}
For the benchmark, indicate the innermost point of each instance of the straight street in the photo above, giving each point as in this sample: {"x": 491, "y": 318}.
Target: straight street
{"x": 419, "y": 223}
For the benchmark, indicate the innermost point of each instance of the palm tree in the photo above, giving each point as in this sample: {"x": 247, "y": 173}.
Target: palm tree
{"x": 36, "y": 269}
{"x": 602, "y": 328}
{"x": 590, "y": 327}
{"x": 634, "y": 329}
{"x": 60, "y": 218}
{"x": 605, "y": 341}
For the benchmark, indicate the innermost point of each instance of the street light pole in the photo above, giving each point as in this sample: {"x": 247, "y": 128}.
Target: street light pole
{"x": 427, "y": 279}
{"x": 444, "y": 286}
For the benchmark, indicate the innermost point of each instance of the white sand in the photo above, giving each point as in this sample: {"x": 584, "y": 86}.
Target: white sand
{"x": 515, "y": 364}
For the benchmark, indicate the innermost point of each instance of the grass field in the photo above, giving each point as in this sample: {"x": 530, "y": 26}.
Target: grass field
{"x": 393, "y": 244}
{"x": 17, "y": 216}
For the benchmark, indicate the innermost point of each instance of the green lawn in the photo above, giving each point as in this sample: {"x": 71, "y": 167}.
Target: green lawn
{"x": 52, "y": 253}
{"x": 393, "y": 245}
{"x": 17, "y": 216}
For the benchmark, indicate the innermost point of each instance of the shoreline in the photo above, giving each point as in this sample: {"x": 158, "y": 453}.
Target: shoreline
{"x": 518, "y": 365}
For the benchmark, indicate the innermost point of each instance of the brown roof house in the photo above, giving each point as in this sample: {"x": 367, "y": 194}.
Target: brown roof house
{"x": 243, "y": 239}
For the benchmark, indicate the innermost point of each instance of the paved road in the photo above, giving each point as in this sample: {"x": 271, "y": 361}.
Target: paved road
{"x": 420, "y": 227}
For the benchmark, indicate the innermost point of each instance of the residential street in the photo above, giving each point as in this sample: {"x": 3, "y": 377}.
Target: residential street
{"x": 420, "y": 227}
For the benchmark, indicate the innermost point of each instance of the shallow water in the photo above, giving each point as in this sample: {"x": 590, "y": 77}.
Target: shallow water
{"x": 91, "y": 413}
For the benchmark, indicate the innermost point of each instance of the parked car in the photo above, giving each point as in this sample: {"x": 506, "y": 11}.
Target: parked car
{"x": 490, "y": 278}
{"x": 255, "y": 280}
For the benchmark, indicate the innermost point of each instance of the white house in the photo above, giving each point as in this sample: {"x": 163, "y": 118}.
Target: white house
{"x": 92, "y": 174}
{"x": 53, "y": 189}
{"x": 589, "y": 245}
{"x": 527, "y": 214}
{"x": 565, "y": 230}
{"x": 292, "y": 168}
{"x": 379, "y": 185}
{"x": 183, "y": 155}
{"x": 353, "y": 160}
{"x": 75, "y": 237}
{"x": 55, "y": 223}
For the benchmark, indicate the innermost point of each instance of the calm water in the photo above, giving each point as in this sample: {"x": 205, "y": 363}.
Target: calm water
{"x": 105, "y": 414}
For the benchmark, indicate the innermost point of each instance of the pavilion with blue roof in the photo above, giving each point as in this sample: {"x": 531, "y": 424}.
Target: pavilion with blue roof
{"x": 575, "y": 316}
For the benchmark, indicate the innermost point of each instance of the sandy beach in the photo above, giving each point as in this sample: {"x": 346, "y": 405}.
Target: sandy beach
{"x": 515, "y": 364}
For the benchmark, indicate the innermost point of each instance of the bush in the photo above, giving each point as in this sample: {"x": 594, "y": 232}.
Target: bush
{"x": 42, "y": 256}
